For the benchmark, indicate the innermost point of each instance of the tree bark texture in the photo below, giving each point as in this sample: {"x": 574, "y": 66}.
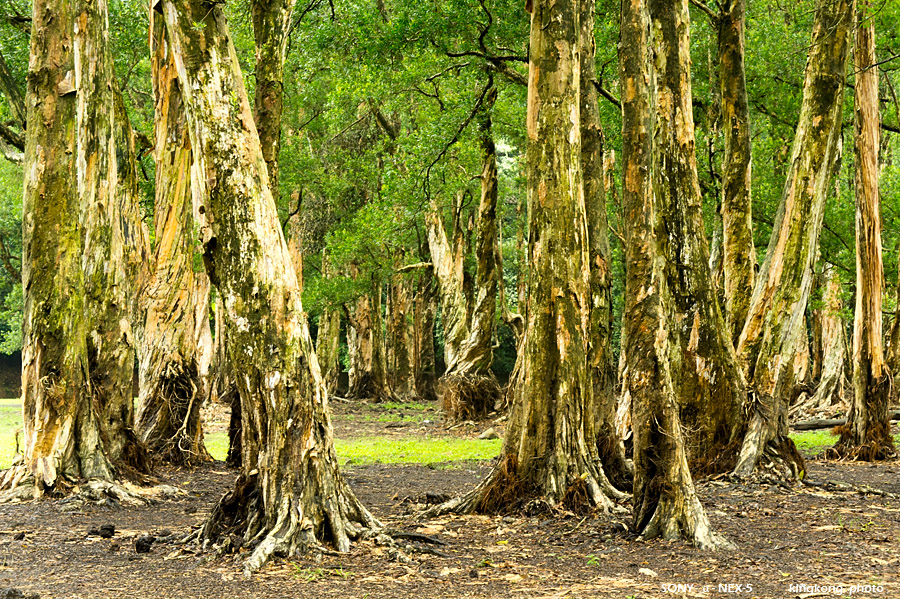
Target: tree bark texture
{"x": 469, "y": 315}
{"x": 423, "y": 357}
{"x": 739, "y": 255}
{"x": 782, "y": 288}
{"x": 271, "y": 25}
{"x": 708, "y": 380}
{"x": 365, "y": 345}
{"x": 867, "y": 434}
{"x": 399, "y": 335}
{"x": 665, "y": 502}
{"x": 550, "y": 451}
{"x": 177, "y": 342}
{"x": 292, "y": 495}
{"x": 328, "y": 345}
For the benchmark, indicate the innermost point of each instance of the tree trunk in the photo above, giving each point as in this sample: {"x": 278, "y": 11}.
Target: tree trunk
{"x": 292, "y": 495}
{"x": 177, "y": 343}
{"x": 549, "y": 451}
{"x": 397, "y": 337}
{"x": 739, "y": 255}
{"x": 665, "y": 502}
{"x": 709, "y": 385}
{"x": 469, "y": 389}
{"x": 365, "y": 345}
{"x": 782, "y": 288}
{"x": 830, "y": 397}
{"x": 13, "y": 94}
{"x": 425, "y": 306}
{"x": 81, "y": 255}
{"x": 271, "y": 25}
{"x": 600, "y": 356}
{"x": 328, "y": 345}
{"x": 867, "y": 434}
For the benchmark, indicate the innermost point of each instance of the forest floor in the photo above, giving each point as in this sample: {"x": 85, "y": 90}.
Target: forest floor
{"x": 784, "y": 536}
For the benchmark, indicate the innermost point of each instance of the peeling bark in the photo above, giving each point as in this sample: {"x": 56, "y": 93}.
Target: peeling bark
{"x": 291, "y": 496}
{"x": 365, "y": 344}
{"x": 424, "y": 308}
{"x": 177, "y": 342}
{"x": 783, "y": 285}
{"x": 867, "y": 434}
{"x": 398, "y": 337}
{"x": 549, "y": 451}
{"x": 660, "y": 365}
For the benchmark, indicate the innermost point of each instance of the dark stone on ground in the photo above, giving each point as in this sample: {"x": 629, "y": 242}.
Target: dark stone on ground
{"x": 107, "y": 531}
{"x": 143, "y": 543}
{"x": 16, "y": 594}
{"x": 19, "y": 536}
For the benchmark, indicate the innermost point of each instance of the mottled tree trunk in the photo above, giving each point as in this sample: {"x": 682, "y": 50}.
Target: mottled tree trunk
{"x": 600, "y": 356}
{"x": 782, "y": 288}
{"x": 549, "y": 450}
{"x": 708, "y": 381}
{"x": 398, "y": 337}
{"x": 829, "y": 400}
{"x": 292, "y": 495}
{"x": 665, "y": 344}
{"x": 469, "y": 317}
{"x": 271, "y": 25}
{"x": 368, "y": 378}
{"x": 867, "y": 434}
{"x": 328, "y": 340}
{"x": 739, "y": 255}
{"x": 177, "y": 343}
{"x": 425, "y": 306}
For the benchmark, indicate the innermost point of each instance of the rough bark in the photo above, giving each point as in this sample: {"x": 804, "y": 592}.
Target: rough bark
{"x": 783, "y": 285}
{"x": 425, "y": 306}
{"x": 398, "y": 336}
{"x": 469, "y": 307}
{"x": 79, "y": 212}
{"x": 831, "y": 394}
{"x": 271, "y": 25}
{"x": 600, "y": 356}
{"x": 867, "y": 434}
{"x": 738, "y": 255}
{"x": 328, "y": 345}
{"x": 665, "y": 503}
{"x": 292, "y": 495}
{"x": 710, "y": 387}
{"x": 549, "y": 451}
{"x": 177, "y": 342}
{"x": 365, "y": 346}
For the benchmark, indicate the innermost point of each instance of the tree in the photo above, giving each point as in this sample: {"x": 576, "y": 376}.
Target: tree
{"x": 867, "y": 434}
{"x": 780, "y": 297}
{"x": 292, "y": 495}
{"x": 657, "y": 186}
{"x": 177, "y": 343}
{"x": 469, "y": 306}
{"x": 365, "y": 345}
{"x": 549, "y": 451}
{"x": 81, "y": 227}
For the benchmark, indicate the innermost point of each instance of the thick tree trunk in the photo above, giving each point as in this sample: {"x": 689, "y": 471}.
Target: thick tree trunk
{"x": 830, "y": 398}
{"x": 708, "y": 381}
{"x": 177, "y": 343}
{"x": 867, "y": 434}
{"x": 782, "y": 289}
{"x": 365, "y": 346}
{"x": 600, "y": 356}
{"x": 468, "y": 388}
{"x": 665, "y": 502}
{"x": 739, "y": 255}
{"x": 398, "y": 333}
{"x": 81, "y": 258}
{"x": 271, "y": 25}
{"x": 292, "y": 496}
{"x": 549, "y": 451}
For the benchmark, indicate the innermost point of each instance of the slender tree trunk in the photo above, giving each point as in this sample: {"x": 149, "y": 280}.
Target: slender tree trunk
{"x": 709, "y": 385}
{"x": 550, "y": 450}
{"x": 867, "y": 434}
{"x": 292, "y": 496}
{"x": 365, "y": 344}
{"x": 425, "y": 306}
{"x": 271, "y": 25}
{"x": 177, "y": 343}
{"x": 782, "y": 289}
{"x": 600, "y": 356}
{"x": 739, "y": 255}
{"x": 829, "y": 400}
{"x": 660, "y": 206}
{"x": 397, "y": 337}
{"x": 13, "y": 93}
{"x": 469, "y": 389}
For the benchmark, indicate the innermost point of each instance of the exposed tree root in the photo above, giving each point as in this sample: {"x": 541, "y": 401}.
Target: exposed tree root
{"x": 19, "y": 485}
{"x": 675, "y": 522}
{"x": 766, "y": 451}
{"x": 879, "y": 444}
{"x": 469, "y": 397}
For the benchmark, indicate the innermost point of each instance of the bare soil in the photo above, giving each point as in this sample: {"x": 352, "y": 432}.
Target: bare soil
{"x": 828, "y": 535}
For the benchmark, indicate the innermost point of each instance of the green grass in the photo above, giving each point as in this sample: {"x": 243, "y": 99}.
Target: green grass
{"x": 10, "y": 422}
{"x": 812, "y": 443}
{"x": 217, "y": 445}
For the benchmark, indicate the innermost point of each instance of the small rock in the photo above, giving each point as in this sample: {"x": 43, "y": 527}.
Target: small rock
{"x": 113, "y": 547}
{"x": 107, "y": 531}
{"x": 143, "y": 543}
{"x": 190, "y": 509}
{"x": 164, "y": 533}
{"x": 473, "y": 573}
{"x": 647, "y": 572}
{"x": 19, "y": 536}
{"x": 489, "y": 434}
{"x": 16, "y": 594}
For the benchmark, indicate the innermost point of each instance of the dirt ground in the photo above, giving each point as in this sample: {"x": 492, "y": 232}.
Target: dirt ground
{"x": 827, "y": 535}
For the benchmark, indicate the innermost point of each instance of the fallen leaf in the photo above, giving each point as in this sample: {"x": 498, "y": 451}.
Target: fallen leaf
{"x": 647, "y": 572}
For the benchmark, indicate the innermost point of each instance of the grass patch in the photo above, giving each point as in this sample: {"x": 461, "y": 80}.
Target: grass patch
{"x": 10, "y": 422}
{"x": 415, "y": 450}
{"x": 216, "y": 445}
{"x": 812, "y": 443}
